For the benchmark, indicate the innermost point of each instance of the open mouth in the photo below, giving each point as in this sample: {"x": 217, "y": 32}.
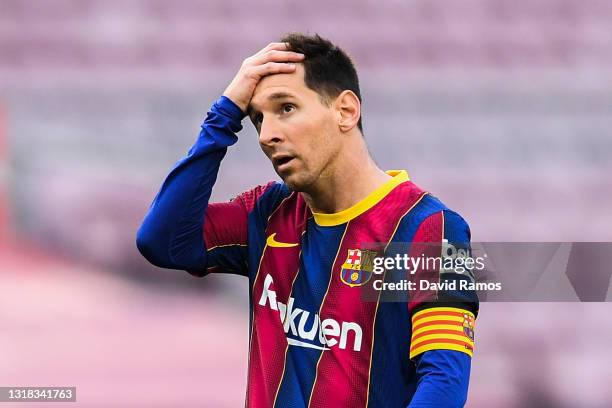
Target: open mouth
{"x": 281, "y": 161}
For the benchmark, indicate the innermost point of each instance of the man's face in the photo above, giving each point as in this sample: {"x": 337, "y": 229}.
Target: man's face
{"x": 297, "y": 131}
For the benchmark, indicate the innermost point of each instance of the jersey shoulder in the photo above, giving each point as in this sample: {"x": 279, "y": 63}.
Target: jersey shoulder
{"x": 261, "y": 201}
{"x": 432, "y": 205}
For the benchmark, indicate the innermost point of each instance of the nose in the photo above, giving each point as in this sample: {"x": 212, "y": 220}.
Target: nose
{"x": 269, "y": 133}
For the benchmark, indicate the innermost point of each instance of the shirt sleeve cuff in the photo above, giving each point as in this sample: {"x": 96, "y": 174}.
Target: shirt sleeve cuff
{"x": 228, "y": 108}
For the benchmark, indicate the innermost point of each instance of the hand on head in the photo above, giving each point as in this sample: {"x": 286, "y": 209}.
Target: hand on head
{"x": 275, "y": 58}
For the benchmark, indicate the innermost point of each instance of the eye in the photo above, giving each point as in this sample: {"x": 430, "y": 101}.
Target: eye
{"x": 288, "y": 108}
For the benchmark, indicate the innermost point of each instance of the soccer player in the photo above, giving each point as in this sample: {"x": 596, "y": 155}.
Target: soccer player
{"x": 314, "y": 342}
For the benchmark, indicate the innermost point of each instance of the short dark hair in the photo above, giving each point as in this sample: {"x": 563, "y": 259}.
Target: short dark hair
{"x": 328, "y": 70}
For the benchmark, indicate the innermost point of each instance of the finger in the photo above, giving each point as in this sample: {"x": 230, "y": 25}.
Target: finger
{"x": 277, "y": 56}
{"x": 270, "y": 68}
{"x": 279, "y": 46}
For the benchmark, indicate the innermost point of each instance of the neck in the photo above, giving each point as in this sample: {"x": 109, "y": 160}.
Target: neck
{"x": 350, "y": 179}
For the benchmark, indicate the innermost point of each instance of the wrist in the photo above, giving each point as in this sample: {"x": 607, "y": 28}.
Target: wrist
{"x": 227, "y": 107}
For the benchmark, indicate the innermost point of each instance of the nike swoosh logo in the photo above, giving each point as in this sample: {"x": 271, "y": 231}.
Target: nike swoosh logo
{"x": 302, "y": 344}
{"x": 275, "y": 244}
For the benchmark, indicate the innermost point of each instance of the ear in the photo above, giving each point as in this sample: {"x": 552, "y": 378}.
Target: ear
{"x": 348, "y": 110}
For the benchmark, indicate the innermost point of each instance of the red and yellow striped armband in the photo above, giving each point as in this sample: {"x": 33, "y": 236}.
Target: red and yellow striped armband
{"x": 442, "y": 328}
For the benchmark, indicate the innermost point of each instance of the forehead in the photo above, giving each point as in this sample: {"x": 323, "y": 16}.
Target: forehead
{"x": 292, "y": 84}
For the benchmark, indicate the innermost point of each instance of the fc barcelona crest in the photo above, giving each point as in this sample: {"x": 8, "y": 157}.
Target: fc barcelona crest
{"x": 468, "y": 326}
{"x": 357, "y": 269}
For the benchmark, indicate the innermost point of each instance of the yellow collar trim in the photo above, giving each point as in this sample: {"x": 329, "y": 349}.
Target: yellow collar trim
{"x": 328, "y": 220}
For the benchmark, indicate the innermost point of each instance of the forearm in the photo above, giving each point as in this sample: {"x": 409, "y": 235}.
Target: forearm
{"x": 443, "y": 379}
{"x": 171, "y": 235}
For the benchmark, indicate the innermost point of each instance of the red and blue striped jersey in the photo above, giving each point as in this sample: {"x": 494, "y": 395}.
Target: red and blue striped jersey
{"x": 314, "y": 341}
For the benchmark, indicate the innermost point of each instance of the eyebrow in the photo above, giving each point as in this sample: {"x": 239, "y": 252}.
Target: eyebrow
{"x": 272, "y": 97}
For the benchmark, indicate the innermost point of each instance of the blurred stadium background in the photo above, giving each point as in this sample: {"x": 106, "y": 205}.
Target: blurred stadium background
{"x": 502, "y": 108}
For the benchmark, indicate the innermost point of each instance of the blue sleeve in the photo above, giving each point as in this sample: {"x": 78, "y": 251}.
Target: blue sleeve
{"x": 171, "y": 235}
{"x": 442, "y": 373}
{"x": 443, "y": 378}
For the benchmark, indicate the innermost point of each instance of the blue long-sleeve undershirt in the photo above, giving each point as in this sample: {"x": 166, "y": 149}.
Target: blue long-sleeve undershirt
{"x": 443, "y": 378}
{"x": 171, "y": 233}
